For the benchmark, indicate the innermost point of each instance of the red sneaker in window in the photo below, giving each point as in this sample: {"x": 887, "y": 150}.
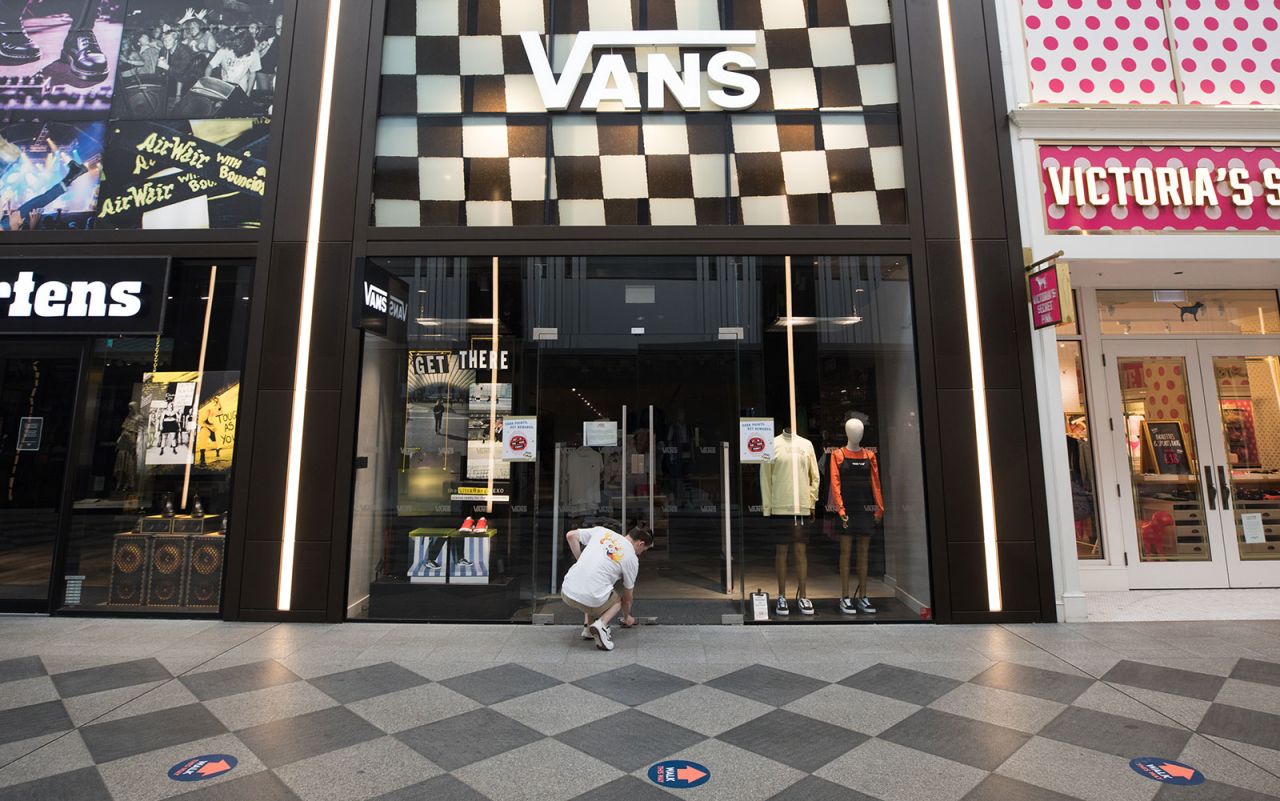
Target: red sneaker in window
{"x": 468, "y": 525}
{"x": 481, "y": 527}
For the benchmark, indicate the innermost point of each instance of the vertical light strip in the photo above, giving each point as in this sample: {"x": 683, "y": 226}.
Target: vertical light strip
{"x": 977, "y": 372}
{"x": 791, "y": 383}
{"x": 306, "y": 310}
{"x": 493, "y": 381}
{"x": 204, "y": 347}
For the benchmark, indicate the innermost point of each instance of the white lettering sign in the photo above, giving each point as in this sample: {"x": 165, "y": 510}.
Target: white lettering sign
{"x": 1162, "y": 186}
{"x": 85, "y": 299}
{"x": 732, "y": 90}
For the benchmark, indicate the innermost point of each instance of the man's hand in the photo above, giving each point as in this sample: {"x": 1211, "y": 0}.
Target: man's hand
{"x": 628, "y": 621}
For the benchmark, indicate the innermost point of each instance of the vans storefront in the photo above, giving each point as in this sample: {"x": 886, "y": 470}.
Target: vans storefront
{"x": 736, "y": 274}
{"x": 1163, "y": 390}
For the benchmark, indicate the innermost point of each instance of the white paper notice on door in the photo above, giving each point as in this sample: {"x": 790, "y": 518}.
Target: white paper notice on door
{"x": 1251, "y": 524}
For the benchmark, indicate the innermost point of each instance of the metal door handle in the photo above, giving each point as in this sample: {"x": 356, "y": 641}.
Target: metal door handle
{"x": 1224, "y": 488}
{"x": 1210, "y": 488}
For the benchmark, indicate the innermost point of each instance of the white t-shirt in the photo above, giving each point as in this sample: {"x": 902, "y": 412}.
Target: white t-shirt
{"x": 606, "y": 557}
{"x": 237, "y": 69}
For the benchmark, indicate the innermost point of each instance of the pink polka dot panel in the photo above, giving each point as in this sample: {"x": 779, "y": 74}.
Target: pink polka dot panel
{"x": 1241, "y": 55}
{"x": 1147, "y": 188}
{"x": 1094, "y": 53}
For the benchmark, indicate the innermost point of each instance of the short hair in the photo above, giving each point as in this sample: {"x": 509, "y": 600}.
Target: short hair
{"x": 642, "y": 534}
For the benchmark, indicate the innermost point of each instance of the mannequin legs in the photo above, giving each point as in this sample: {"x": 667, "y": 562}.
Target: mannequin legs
{"x": 846, "y": 556}
{"x": 802, "y": 567}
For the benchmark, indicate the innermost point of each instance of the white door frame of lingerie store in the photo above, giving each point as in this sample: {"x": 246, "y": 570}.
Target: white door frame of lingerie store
{"x": 1212, "y": 520}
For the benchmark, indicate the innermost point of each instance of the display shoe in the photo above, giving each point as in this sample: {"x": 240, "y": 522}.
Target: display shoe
{"x": 84, "y": 55}
{"x": 805, "y": 605}
{"x": 481, "y": 527}
{"x": 781, "y": 607}
{"x": 467, "y": 526}
{"x": 462, "y": 561}
{"x": 586, "y": 633}
{"x": 865, "y": 607}
{"x": 600, "y": 633}
{"x": 848, "y": 607}
{"x": 433, "y": 565}
{"x": 17, "y": 48}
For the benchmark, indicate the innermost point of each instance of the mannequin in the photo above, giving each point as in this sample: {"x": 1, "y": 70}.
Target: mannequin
{"x": 855, "y": 488}
{"x": 789, "y": 486}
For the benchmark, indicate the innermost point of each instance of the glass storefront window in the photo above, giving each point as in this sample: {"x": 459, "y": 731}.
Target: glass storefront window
{"x": 1143, "y": 312}
{"x": 1248, "y": 395}
{"x": 151, "y": 470}
{"x": 1080, "y": 463}
{"x": 633, "y": 376}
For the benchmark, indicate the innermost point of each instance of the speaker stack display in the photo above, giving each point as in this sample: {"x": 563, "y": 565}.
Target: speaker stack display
{"x": 128, "y": 570}
{"x": 204, "y": 572}
{"x": 168, "y": 567}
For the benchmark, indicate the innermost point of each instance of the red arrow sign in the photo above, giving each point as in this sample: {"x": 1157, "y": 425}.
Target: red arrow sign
{"x": 212, "y": 768}
{"x": 1181, "y": 771}
{"x": 689, "y": 774}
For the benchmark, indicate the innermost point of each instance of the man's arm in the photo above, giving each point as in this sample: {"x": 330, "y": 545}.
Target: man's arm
{"x": 627, "y": 596}
{"x": 575, "y": 544}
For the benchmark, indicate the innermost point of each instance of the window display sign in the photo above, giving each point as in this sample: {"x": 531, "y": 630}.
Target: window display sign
{"x": 30, "y": 433}
{"x": 520, "y": 439}
{"x": 1167, "y": 447}
{"x": 1146, "y": 189}
{"x": 82, "y": 296}
{"x": 600, "y": 433}
{"x": 755, "y": 440}
{"x": 1046, "y": 296}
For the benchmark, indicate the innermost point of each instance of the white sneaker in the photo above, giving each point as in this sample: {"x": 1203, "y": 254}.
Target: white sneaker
{"x": 780, "y": 608}
{"x": 586, "y": 633}
{"x": 601, "y": 634}
{"x": 805, "y": 606}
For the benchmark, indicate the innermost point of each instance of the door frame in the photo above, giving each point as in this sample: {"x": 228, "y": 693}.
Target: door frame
{"x": 1240, "y": 572}
{"x": 80, "y": 349}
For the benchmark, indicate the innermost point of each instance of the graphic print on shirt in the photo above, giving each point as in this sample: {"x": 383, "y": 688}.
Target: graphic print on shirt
{"x": 612, "y": 547}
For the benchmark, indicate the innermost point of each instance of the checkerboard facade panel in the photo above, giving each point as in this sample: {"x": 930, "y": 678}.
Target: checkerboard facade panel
{"x": 820, "y": 146}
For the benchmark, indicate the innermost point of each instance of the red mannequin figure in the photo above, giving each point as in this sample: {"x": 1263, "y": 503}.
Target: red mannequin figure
{"x": 1154, "y": 533}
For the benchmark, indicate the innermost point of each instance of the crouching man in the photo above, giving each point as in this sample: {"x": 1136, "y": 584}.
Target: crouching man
{"x": 603, "y": 557}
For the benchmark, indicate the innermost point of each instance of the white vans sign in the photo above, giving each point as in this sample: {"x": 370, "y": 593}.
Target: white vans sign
{"x": 82, "y": 296}
{"x": 732, "y": 88}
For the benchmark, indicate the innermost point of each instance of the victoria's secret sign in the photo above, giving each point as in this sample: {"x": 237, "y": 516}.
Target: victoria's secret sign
{"x": 1112, "y": 188}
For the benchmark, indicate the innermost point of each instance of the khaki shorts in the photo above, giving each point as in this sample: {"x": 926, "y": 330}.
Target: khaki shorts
{"x": 594, "y": 612}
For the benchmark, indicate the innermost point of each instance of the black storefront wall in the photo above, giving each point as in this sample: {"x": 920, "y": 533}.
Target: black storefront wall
{"x": 931, "y": 238}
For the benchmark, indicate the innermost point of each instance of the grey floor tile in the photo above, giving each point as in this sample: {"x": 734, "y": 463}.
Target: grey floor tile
{"x": 902, "y": 683}
{"x": 80, "y": 785}
{"x": 499, "y": 683}
{"x": 630, "y": 740}
{"x": 109, "y": 677}
{"x": 282, "y": 742}
{"x": 1077, "y": 772}
{"x": 261, "y": 786}
{"x": 442, "y": 788}
{"x": 1112, "y": 734}
{"x": 144, "y": 777}
{"x": 546, "y": 770}
{"x": 1050, "y": 685}
{"x": 811, "y": 788}
{"x": 246, "y": 710}
{"x": 357, "y": 772}
{"x": 34, "y": 720}
{"x": 768, "y": 685}
{"x": 736, "y": 775}
{"x": 960, "y": 739}
{"x": 367, "y": 682}
{"x": 239, "y": 679}
{"x": 137, "y": 735}
{"x": 891, "y": 772}
{"x": 416, "y": 706}
{"x": 1025, "y": 713}
{"x": 633, "y": 685}
{"x": 26, "y": 667}
{"x": 707, "y": 710}
{"x": 1257, "y": 670}
{"x": 1001, "y": 788}
{"x": 868, "y": 713}
{"x": 795, "y": 740}
{"x": 627, "y": 788}
{"x": 559, "y": 708}
{"x": 458, "y": 741}
{"x": 1165, "y": 680}
{"x": 1246, "y": 725}
{"x": 1230, "y": 766}
{"x": 1209, "y": 791}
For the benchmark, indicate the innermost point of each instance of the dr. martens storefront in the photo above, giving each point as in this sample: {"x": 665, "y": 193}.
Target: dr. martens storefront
{"x": 734, "y": 275}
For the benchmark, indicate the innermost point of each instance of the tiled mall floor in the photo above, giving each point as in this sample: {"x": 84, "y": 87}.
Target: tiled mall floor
{"x": 101, "y": 709}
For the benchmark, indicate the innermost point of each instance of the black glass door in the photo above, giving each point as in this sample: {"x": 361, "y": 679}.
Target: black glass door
{"x": 38, "y": 384}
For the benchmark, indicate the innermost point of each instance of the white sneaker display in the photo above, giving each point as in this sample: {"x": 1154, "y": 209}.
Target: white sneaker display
{"x": 847, "y": 606}
{"x": 864, "y": 606}
{"x": 805, "y": 605}
{"x": 781, "y": 607}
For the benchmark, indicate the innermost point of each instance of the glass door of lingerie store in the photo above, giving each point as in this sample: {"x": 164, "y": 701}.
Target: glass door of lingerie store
{"x": 638, "y": 398}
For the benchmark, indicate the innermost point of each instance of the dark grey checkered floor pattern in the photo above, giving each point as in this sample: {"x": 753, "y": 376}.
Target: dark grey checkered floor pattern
{"x": 360, "y": 712}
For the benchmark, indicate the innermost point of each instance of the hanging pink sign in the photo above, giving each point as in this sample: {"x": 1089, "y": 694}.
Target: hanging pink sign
{"x": 1151, "y": 189}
